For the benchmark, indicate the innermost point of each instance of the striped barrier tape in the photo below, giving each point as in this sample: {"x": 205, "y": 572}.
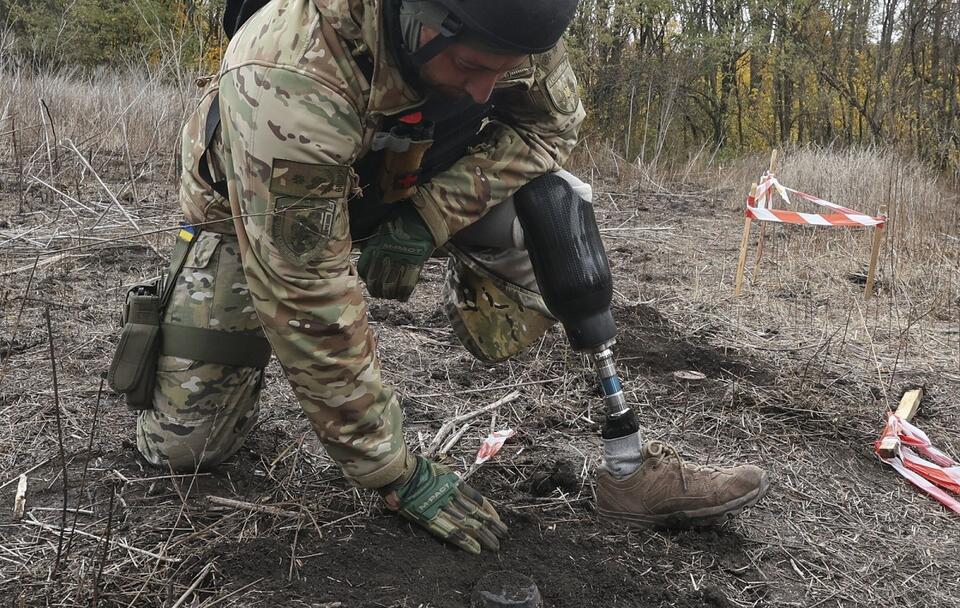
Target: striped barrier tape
{"x": 936, "y": 474}
{"x": 759, "y": 208}
{"x": 491, "y": 445}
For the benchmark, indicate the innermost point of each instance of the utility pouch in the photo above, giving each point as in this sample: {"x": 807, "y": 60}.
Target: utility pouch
{"x": 401, "y": 171}
{"x": 133, "y": 370}
{"x": 404, "y": 147}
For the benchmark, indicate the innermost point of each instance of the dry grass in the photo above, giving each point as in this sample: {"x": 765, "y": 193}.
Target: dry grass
{"x": 812, "y": 277}
{"x": 137, "y": 111}
{"x": 801, "y": 371}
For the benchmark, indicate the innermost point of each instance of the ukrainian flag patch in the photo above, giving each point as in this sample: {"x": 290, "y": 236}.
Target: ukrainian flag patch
{"x": 187, "y": 232}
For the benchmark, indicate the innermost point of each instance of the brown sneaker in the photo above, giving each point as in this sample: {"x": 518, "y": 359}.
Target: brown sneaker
{"x": 668, "y": 492}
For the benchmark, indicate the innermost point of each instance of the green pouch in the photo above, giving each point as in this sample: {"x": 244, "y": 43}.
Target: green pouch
{"x": 133, "y": 370}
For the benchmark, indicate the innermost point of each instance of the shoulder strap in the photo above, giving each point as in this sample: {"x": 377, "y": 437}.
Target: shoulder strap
{"x": 237, "y": 12}
{"x": 181, "y": 249}
{"x": 203, "y": 166}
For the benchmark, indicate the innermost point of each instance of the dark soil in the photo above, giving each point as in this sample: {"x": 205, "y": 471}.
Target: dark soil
{"x": 830, "y": 533}
{"x": 388, "y": 563}
{"x": 648, "y": 342}
{"x": 561, "y": 476}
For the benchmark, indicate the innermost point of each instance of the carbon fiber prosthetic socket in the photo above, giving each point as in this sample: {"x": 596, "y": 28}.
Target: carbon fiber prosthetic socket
{"x": 571, "y": 267}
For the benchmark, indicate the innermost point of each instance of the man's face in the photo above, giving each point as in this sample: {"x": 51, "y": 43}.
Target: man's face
{"x": 461, "y": 71}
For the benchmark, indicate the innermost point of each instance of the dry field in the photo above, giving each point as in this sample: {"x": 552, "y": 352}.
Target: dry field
{"x": 800, "y": 372}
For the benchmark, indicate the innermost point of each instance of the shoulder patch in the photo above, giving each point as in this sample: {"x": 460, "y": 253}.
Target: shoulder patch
{"x": 308, "y": 180}
{"x": 561, "y": 86}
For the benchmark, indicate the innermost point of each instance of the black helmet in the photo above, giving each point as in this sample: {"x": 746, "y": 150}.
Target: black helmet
{"x": 522, "y": 27}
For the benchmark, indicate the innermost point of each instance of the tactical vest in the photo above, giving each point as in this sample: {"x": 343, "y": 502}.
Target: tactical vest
{"x": 409, "y": 149}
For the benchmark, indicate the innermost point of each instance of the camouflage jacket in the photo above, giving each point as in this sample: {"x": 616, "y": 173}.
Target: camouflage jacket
{"x": 298, "y": 116}
{"x": 534, "y": 127}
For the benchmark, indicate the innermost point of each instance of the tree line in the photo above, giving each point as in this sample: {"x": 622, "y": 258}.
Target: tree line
{"x": 752, "y": 74}
{"x": 660, "y": 77}
{"x": 51, "y": 34}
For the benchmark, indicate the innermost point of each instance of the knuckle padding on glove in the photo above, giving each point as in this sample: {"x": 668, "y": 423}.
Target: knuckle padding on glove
{"x": 435, "y": 498}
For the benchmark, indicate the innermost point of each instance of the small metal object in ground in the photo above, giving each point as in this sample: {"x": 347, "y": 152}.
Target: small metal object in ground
{"x": 506, "y": 589}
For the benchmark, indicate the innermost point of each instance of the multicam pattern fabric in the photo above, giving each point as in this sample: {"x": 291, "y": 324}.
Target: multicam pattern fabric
{"x": 291, "y": 89}
{"x": 202, "y": 411}
{"x": 494, "y": 318}
{"x": 200, "y": 204}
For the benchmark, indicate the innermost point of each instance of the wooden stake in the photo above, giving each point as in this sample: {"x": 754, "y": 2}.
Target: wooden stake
{"x": 905, "y": 411}
{"x": 909, "y": 404}
{"x": 744, "y": 243}
{"x": 874, "y": 254}
{"x": 763, "y": 226}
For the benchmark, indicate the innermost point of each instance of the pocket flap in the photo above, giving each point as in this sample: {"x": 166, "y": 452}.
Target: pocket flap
{"x": 202, "y": 250}
{"x": 136, "y": 353}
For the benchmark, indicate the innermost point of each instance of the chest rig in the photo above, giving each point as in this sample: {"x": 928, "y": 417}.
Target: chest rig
{"x": 409, "y": 150}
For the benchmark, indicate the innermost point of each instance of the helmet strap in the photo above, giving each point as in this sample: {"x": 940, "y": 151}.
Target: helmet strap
{"x": 414, "y": 14}
{"x": 431, "y": 49}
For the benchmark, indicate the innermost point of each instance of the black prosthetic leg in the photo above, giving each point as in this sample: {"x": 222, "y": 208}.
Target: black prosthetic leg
{"x": 562, "y": 238}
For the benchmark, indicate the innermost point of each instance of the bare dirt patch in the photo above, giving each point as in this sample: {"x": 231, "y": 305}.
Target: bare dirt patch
{"x": 798, "y": 384}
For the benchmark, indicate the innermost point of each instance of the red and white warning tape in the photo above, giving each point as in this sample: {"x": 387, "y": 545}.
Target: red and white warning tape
{"x": 933, "y": 474}
{"x": 491, "y": 445}
{"x": 759, "y": 208}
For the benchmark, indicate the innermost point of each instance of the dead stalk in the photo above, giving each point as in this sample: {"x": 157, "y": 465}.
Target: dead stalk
{"x": 106, "y": 549}
{"x": 86, "y": 462}
{"x": 126, "y": 214}
{"x": 63, "y": 459}
{"x": 53, "y": 152}
{"x": 16, "y": 324}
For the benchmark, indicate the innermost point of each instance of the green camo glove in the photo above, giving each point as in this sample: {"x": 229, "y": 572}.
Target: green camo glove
{"x": 435, "y": 498}
{"x": 393, "y": 258}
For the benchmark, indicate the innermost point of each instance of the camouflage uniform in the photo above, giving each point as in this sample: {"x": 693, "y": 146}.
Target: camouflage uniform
{"x": 297, "y": 114}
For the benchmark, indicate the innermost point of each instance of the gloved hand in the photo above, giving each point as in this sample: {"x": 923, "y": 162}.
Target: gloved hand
{"x": 435, "y": 498}
{"x": 391, "y": 261}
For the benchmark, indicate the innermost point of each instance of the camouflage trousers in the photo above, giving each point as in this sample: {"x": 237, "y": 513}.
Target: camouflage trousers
{"x": 204, "y": 411}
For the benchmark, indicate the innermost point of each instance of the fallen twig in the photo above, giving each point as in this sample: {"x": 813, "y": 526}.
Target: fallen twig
{"x": 119, "y": 543}
{"x": 249, "y": 506}
{"x": 451, "y": 424}
{"x": 27, "y": 472}
{"x": 20, "y": 500}
{"x": 222, "y": 598}
{"x": 34, "y": 266}
{"x": 453, "y": 441}
{"x": 193, "y": 586}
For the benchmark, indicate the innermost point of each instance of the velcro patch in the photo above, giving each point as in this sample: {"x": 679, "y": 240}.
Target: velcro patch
{"x": 561, "y": 85}
{"x": 308, "y": 180}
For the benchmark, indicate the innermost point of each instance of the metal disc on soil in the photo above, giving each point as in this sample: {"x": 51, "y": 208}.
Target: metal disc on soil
{"x": 506, "y": 589}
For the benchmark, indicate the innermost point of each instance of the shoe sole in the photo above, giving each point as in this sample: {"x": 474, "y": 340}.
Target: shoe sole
{"x": 690, "y": 519}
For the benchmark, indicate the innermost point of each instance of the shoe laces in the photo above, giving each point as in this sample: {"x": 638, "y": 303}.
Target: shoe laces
{"x": 658, "y": 449}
